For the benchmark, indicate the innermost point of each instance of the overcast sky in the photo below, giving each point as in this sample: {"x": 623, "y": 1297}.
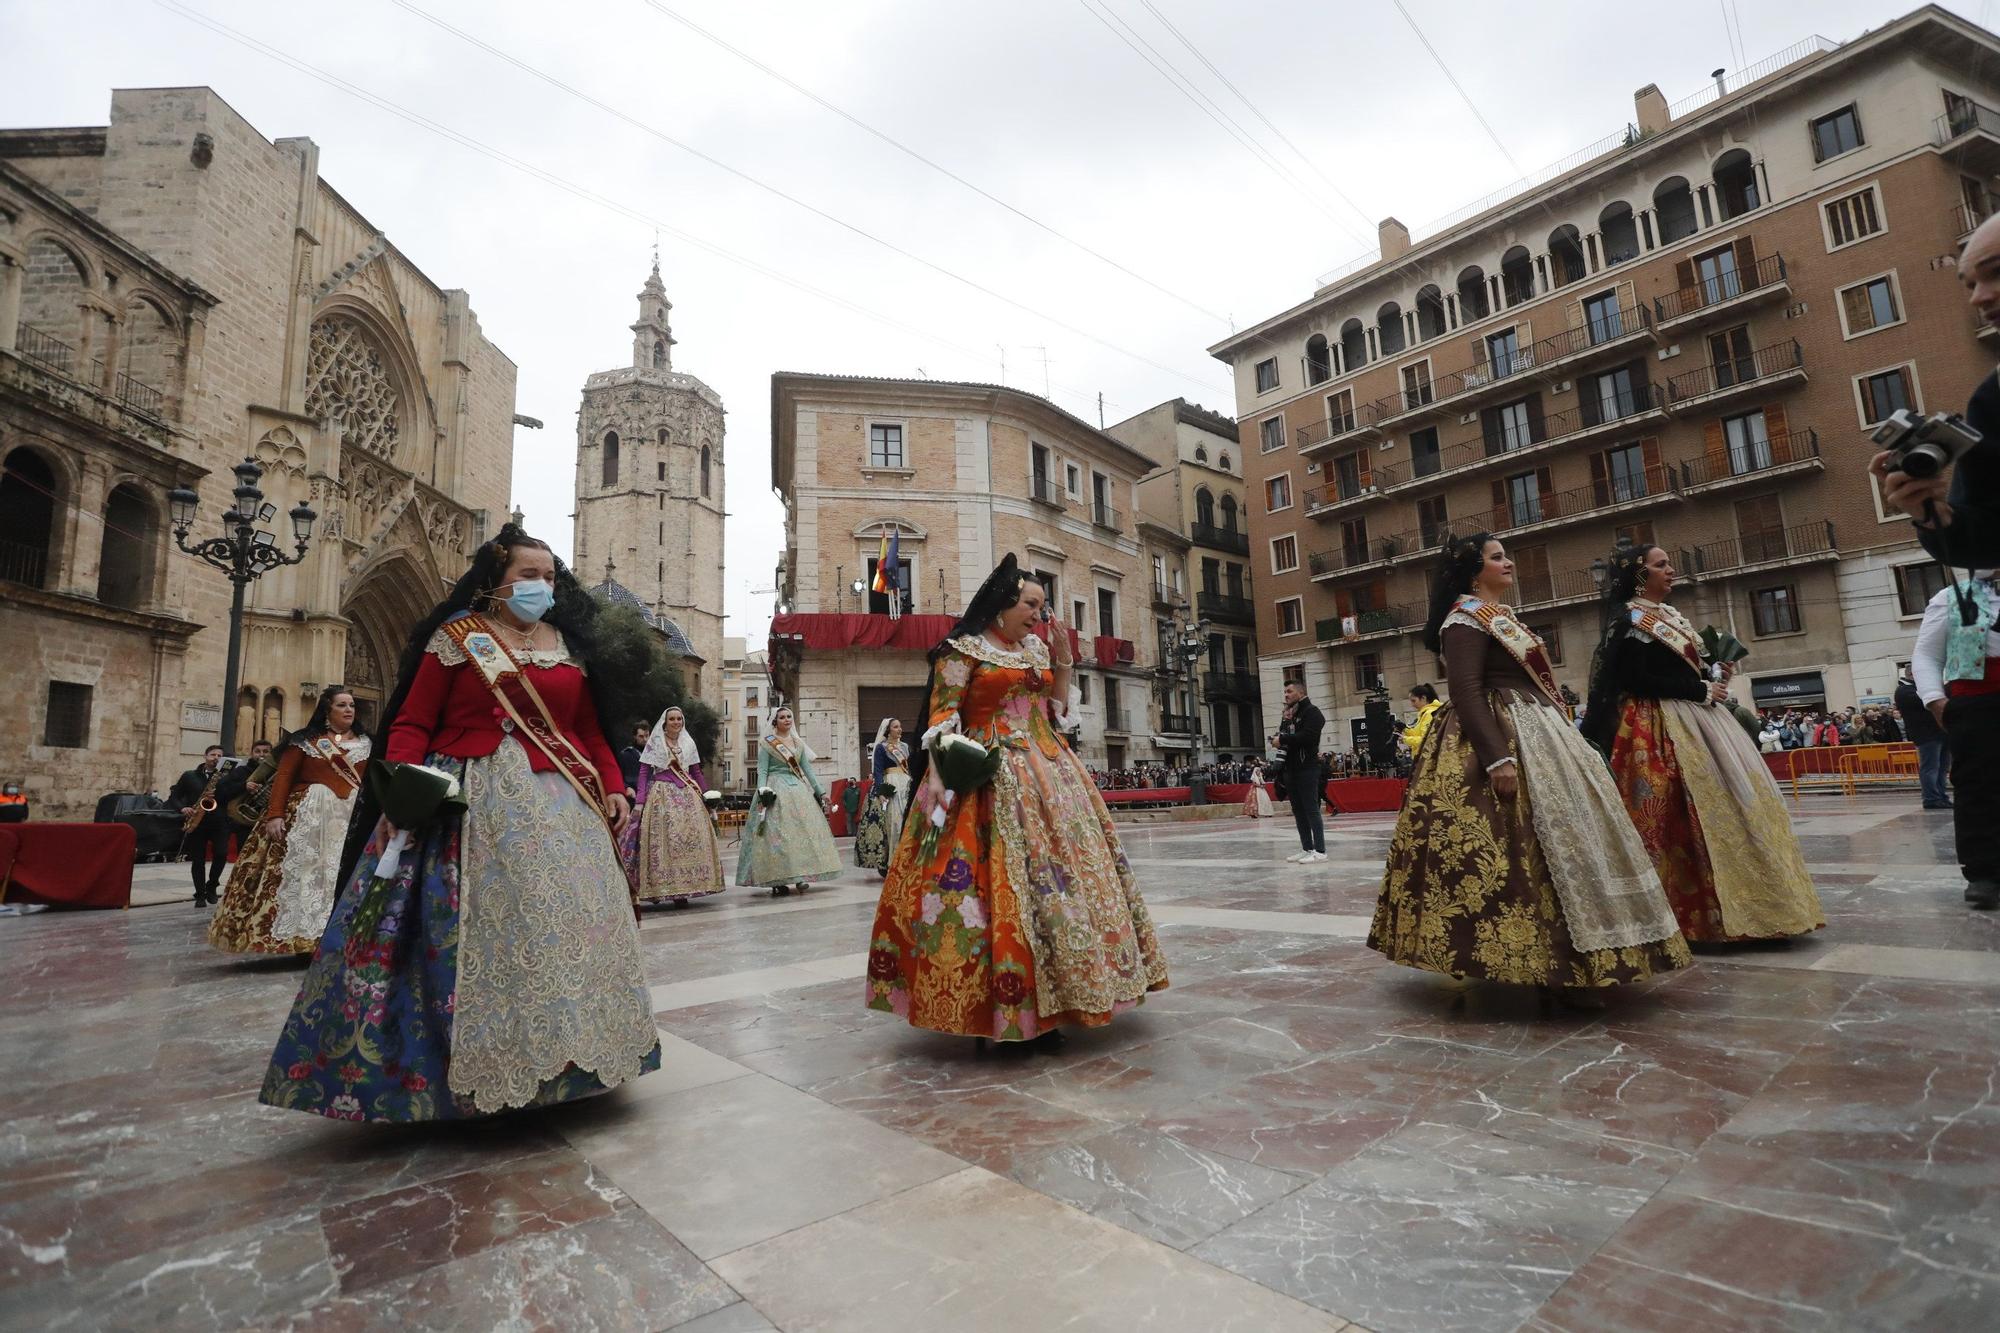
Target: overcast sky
{"x": 1041, "y": 103}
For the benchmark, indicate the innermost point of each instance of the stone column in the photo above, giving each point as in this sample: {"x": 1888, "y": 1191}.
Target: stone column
{"x": 83, "y": 531}
{"x": 10, "y": 301}
{"x": 114, "y": 342}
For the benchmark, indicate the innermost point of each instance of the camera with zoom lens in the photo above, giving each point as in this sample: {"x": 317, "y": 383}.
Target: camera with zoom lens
{"x": 1924, "y": 446}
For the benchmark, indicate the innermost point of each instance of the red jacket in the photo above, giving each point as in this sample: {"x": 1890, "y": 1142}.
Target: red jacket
{"x": 450, "y": 710}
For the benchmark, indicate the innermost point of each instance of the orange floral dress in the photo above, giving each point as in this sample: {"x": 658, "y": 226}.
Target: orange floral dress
{"x": 1025, "y": 916}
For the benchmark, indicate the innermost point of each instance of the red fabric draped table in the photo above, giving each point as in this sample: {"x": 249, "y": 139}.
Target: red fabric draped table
{"x": 1363, "y": 795}
{"x": 67, "y": 865}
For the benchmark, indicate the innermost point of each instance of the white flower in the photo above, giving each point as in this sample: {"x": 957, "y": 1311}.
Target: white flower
{"x": 451, "y": 783}
{"x": 954, "y": 740}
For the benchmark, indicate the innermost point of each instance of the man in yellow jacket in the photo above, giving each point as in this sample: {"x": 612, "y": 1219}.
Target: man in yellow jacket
{"x": 1425, "y": 700}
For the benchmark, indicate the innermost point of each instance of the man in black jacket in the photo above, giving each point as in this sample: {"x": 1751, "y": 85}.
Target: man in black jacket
{"x": 207, "y": 844}
{"x": 1933, "y": 751}
{"x": 1961, "y": 525}
{"x": 1298, "y": 752}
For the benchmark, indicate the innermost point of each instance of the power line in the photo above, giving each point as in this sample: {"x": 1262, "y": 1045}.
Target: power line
{"x": 793, "y": 199}
{"x": 570, "y": 187}
{"x": 1208, "y": 64}
{"x": 1458, "y": 87}
{"x": 942, "y": 170}
{"x": 1181, "y": 84}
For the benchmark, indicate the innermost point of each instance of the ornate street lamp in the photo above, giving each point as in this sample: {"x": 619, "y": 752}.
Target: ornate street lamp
{"x": 1187, "y": 640}
{"x": 243, "y": 553}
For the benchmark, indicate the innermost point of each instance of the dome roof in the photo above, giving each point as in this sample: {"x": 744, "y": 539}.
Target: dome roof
{"x": 617, "y": 594}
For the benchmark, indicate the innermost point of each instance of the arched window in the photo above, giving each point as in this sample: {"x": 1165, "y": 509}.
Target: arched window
{"x": 1430, "y": 313}
{"x": 659, "y": 355}
{"x": 28, "y": 494}
{"x": 1472, "y": 299}
{"x": 52, "y": 287}
{"x": 1736, "y": 183}
{"x": 1223, "y": 462}
{"x": 1620, "y": 233}
{"x": 125, "y": 560}
{"x": 704, "y": 471}
{"x": 1673, "y": 205}
{"x": 1201, "y": 453}
{"x": 272, "y": 728}
{"x": 1517, "y": 275}
{"x": 1204, "y": 507}
{"x": 610, "y": 477}
{"x": 1566, "y": 263}
{"x": 1319, "y": 360}
{"x": 246, "y": 715}
{"x": 1229, "y": 513}
{"x": 1353, "y": 345}
{"x": 1389, "y": 328}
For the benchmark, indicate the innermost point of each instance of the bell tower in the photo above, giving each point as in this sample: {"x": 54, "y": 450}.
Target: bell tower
{"x": 649, "y": 491}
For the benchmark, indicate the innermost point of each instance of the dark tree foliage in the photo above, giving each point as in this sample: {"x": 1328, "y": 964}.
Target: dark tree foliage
{"x": 645, "y": 680}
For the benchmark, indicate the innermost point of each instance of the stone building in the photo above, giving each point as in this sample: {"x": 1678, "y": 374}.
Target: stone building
{"x": 177, "y": 292}
{"x": 1197, "y": 494}
{"x": 649, "y": 501}
{"x": 962, "y": 474}
{"x": 745, "y": 708}
{"x": 1681, "y": 336}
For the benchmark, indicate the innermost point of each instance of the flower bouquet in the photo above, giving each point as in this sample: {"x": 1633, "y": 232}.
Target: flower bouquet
{"x": 766, "y": 798}
{"x": 1718, "y": 648}
{"x": 960, "y": 766}
{"x": 711, "y": 801}
{"x": 412, "y": 797}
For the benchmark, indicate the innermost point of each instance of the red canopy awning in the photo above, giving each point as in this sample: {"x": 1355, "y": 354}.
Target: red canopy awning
{"x": 818, "y": 631}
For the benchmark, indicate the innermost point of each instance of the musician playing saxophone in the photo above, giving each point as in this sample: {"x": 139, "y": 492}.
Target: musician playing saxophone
{"x": 207, "y": 827}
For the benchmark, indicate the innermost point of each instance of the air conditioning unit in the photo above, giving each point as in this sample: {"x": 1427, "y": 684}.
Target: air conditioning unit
{"x": 1467, "y": 418}
{"x": 1563, "y": 387}
{"x": 1312, "y": 469}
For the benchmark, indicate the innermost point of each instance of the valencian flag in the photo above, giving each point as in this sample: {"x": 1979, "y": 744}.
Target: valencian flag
{"x": 888, "y": 570}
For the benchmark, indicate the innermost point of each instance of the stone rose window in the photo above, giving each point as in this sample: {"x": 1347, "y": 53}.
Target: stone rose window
{"x": 348, "y": 386}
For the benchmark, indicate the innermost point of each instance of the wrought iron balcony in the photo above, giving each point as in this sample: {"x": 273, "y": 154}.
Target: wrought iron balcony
{"x": 1114, "y": 718}
{"x": 1382, "y": 622}
{"x": 1046, "y": 490}
{"x": 1543, "y": 590}
{"x": 59, "y": 358}
{"x": 1597, "y": 419}
{"x": 1653, "y": 485}
{"x": 1230, "y": 685}
{"x": 1711, "y": 297}
{"x": 1226, "y": 607}
{"x": 1104, "y": 516}
{"x": 1233, "y": 540}
{"x": 1177, "y": 724}
{"x": 1965, "y": 219}
{"x": 1343, "y": 426}
{"x": 24, "y": 563}
{"x": 1734, "y": 376}
{"x": 1808, "y": 543}
{"x": 1757, "y": 460}
{"x": 1969, "y": 134}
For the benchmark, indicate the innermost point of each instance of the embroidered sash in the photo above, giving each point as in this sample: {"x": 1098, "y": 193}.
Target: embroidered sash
{"x": 677, "y": 767}
{"x": 1649, "y": 622}
{"x": 328, "y": 749}
{"x": 1519, "y": 641}
{"x": 525, "y": 710}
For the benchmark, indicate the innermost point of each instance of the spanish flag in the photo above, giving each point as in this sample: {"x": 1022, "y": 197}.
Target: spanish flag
{"x": 888, "y": 572}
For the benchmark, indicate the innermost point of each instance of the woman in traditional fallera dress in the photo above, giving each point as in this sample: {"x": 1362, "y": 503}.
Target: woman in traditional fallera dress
{"x": 1702, "y": 797}
{"x": 888, "y": 802}
{"x": 1513, "y": 859}
{"x": 283, "y": 884}
{"x": 675, "y": 858}
{"x": 497, "y": 966}
{"x": 1010, "y": 911}
{"x": 787, "y": 842}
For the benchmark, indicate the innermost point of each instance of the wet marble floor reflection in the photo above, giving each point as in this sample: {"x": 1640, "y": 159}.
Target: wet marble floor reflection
{"x": 1295, "y": 1136}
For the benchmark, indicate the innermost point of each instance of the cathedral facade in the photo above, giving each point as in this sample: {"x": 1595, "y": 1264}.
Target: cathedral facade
{"x": 177, "y": 293}
{"x": 649, "y": 492}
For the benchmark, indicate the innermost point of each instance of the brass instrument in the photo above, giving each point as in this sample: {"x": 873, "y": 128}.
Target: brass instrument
{"x": 204, "y": 807}
{"x": 248, "y": 809}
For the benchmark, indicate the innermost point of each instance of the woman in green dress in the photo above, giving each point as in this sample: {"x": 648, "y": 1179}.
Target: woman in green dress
{"x": 787, "y": 842}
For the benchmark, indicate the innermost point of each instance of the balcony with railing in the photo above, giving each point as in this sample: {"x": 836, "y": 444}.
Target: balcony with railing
{"x": 1380, "y": 623}
{"x": 1766, "y": 368}
{"x": 1544, "y": 591}
{"x": 1164, "y": 598}
{"x": 1177, "y": 724}
{"x": 1227, "y": 608}
{"x": 1352, "y": 558}
{"x": 1337, "y": 426}
{"x": 1104, "y": 516}
{"x": 1712, "y": 297}
{"x": 1108, "y": 650}
{"x": 1114, "y": 717}
{"x": 1781, "y": 455}
{"x": 1602, "y": 499}
{"x": 1234, "y": 540}
{"x": 1968, "y": 133}
{"x": 1229, "y": 685}
{"x": 40, "y": 349}
{"x": 1808, "y": 543}
{"x": 1046, "y": 490}
{"x": 1596, "y": 419}
{"x": 24, "y": 563}
{"x": 1965, "y": 218}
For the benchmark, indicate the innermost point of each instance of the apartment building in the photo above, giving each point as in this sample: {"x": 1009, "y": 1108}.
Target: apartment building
{"x": 1195, "y": 523}
{"x": 1682, "y": 335}
{"x": 959, "y": 475}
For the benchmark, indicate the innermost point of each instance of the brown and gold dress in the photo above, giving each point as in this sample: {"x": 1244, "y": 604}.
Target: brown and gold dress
{"x": 1552, "y": 887}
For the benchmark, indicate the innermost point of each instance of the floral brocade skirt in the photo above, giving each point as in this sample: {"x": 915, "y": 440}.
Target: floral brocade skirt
{"x": 1468, "y": 890}
{"x": 1025, "y": 917}
{"x": 498, "y": 968}
{"x": 674, "y": 856}
{"x": 1713, "y": 819}
{"x": 789, "y": 842}
{"x": 881, "y": 825}
{"x": 244, "y": 918}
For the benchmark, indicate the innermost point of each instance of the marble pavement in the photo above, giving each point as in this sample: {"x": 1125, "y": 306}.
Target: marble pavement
{"x": 1295, "y": 1136}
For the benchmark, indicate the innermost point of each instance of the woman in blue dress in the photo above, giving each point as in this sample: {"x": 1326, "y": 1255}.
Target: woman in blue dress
{"x": 787, "y": 842}
{"x": 496, "y": 965}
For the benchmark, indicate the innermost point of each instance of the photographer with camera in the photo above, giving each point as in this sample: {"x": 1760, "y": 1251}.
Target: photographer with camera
{"x": 1957, "y": 516}
{"x": 1956, "y": 668}
{"x": 1297, "y": 741}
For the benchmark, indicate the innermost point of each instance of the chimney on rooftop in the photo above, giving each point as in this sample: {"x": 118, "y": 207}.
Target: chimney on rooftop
{"x": 1395, "y": 239}
{"x": 1721, "y": 84}
{"x": 1651, "y": 105}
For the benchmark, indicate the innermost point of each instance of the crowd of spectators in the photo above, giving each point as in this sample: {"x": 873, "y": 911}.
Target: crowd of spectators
{"x": 1796, "y": 729}
{"x": 1333, "y": 764}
